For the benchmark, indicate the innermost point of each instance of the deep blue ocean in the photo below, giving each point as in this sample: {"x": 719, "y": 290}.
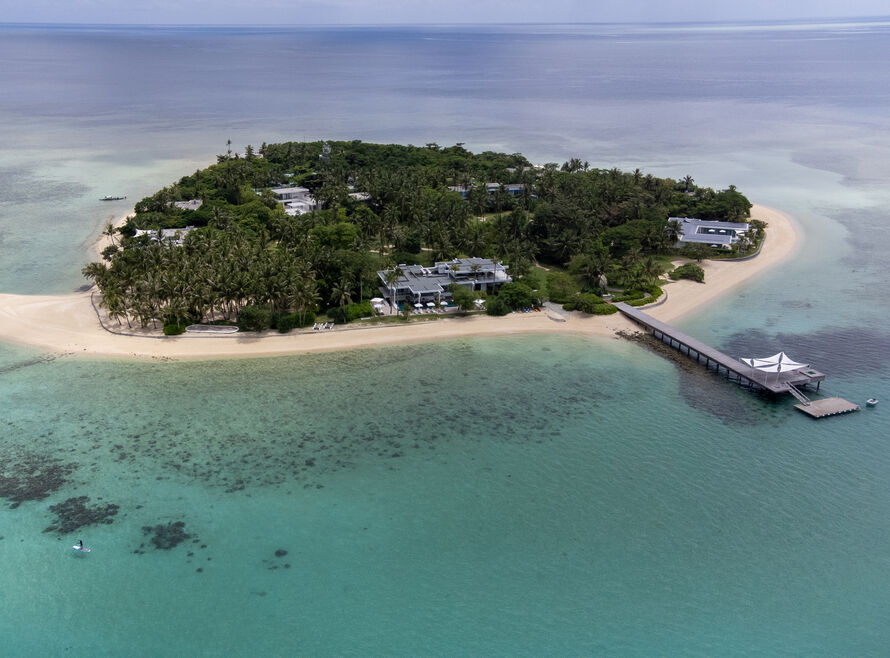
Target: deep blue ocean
{"x": 535, "y": 495}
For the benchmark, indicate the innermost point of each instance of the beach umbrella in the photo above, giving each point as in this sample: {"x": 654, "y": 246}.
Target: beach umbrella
{"x": 431, "y": 304}
{"x": 442, "y": 302}
{"x": 418, "y": 305}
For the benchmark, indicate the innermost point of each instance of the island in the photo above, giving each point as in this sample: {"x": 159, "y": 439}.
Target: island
{"x": 282, "y": 241}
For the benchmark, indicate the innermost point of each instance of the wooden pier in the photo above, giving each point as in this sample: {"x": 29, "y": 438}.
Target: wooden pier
{"x": 772, "y": 383}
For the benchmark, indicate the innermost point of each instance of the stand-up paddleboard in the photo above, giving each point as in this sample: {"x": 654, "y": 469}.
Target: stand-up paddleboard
{"x": 82, "y": 549}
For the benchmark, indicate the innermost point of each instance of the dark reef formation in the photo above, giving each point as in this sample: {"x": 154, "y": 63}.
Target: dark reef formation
{"x": 74, "y": 514}
{"x": 30, "y": 476}
{"x": 168, "y": 536}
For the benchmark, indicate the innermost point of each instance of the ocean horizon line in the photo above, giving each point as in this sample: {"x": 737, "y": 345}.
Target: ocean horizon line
{"x": 814, "y": 22}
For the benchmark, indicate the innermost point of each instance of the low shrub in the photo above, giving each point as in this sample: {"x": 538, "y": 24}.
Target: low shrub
{"x": 359, "y": 310}
{"x": 630, "y": 295}
{"x": 517, "y": 295}
{"x": 689, "y": 271}
{"x": 287, "y": 321}
{"x": 584, "y": 303}
{"x": 254, "y": 318}
{"x": 497, "y": 306}
{"x": 590, "y": 304}
{"x": 654, "y": 293}
{"x": 173, "y": 329}
{"x": 350, "y": 312}
{"x": 338, "y": 314}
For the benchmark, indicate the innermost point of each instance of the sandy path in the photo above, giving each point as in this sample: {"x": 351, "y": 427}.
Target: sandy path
{"x": 68, "y": 324}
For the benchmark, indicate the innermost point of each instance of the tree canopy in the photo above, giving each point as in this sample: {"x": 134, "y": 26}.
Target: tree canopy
{"x": 418, "y": 204}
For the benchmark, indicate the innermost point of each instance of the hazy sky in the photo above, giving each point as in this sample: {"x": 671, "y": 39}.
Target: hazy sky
{"x": 301, "y": 12}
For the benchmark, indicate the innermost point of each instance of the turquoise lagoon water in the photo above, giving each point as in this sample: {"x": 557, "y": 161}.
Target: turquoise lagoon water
{"x": 532, "y": 495}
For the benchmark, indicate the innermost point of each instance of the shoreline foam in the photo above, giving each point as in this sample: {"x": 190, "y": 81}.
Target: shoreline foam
{"x": 68, "y": 323}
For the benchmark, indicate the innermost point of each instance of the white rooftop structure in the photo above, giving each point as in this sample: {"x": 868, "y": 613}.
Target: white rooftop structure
{"x": 296, "y": 200}
{"x": 721, "y": 235}
{"x": 174, "y": 235}
{"x": 779, "y": 362}
{"x": 191, "y": 204}
{"x": 513, "y": 189}
{"x": 424, "y": 284}
{"x": 287, "y": 193}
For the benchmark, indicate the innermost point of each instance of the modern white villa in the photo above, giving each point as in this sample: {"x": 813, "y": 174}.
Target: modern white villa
{"x": 418, "y": 284}
{"x": 191, "y": 204}
{"x": 513, "y": 189}
{"x": 720, "y": 235}
{"x": 296, "y": 200}
{"x": 171, "y": 235}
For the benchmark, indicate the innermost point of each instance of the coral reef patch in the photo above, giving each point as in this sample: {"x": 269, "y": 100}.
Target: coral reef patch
{"x": 165, "y": 537}
{"x": 30, "y": 476}
{"x": 74, "y": 513}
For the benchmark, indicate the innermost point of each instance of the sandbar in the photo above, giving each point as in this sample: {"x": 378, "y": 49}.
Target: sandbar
{"x": 69, "y": 324}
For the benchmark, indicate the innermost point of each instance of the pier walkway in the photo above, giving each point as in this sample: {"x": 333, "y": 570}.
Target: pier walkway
{"x": 713, "y": 359}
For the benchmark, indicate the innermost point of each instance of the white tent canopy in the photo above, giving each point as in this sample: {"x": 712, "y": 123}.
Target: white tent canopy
{"x": 779, "y": 362}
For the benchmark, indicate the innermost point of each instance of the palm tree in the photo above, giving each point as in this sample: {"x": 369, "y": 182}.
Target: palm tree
{"x": 97, "y": 272}
{"x": 305, "y": 294}
{"x": 591, "y": 267}
{"x": 651, "y": 268}
{"x": 672, "y": 231}
{"x": 392, "y": 278}
{"x": 109, "y": 232}
{"x": 632, "y": 257}
{"x": 341, "y": 294}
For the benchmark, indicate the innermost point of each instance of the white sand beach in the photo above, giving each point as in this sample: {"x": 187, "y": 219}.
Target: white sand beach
{"x": 68, "y": 324}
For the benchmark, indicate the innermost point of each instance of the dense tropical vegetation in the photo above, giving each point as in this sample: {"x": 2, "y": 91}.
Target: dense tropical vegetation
{"x": 568, "y": 230}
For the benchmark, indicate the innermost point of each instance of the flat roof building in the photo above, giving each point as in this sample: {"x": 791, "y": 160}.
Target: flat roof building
{"x": 191, "y": 204}
{"x": 720, "y": 235}
{"x": 288, "y": 193}
{"x": 419, "y": 284}
{"x": 173, "y": 235}
{"x": 513, "y": 189}
{"x": 296, "y": 200}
